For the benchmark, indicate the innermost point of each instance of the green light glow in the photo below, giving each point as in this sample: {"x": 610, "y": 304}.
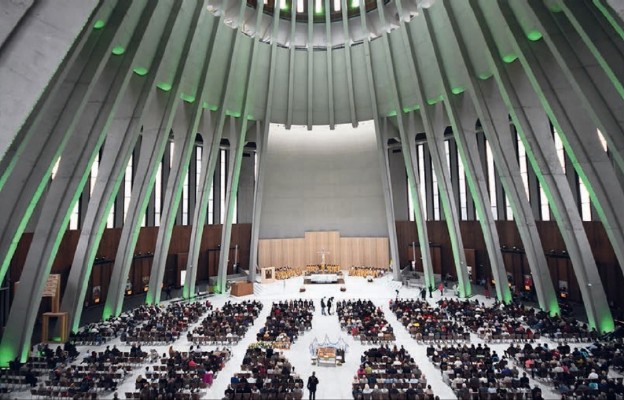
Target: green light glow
{"x": 250, "y": 117}
{"x": 210, "y": 107}
{"x": 164, "y": 86}
{"x": 534, "y": 35}
{"x": 412, "y": 108}
{"x": 457, "y": 90}
{"x": 141, "y": 71}
{"x": 509, "y": 58}
{"x": 392, "y": 113}
{"x": 233, "y": 113}
{"x": 613, "y": 21}
{"x": 485, "y": 75}
{"x": 118, "y": 50}
{"x": 435, "y": 100}
{"x": 99, "y": 24}
{"x": 27, "y": 214}
{"x": 187, "y": 97}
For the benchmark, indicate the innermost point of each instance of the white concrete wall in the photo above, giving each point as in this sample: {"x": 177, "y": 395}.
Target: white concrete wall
{"x": 322, "y": 180}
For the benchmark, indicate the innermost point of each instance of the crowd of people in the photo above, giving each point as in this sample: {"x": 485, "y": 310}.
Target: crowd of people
{"x": 287, "y": 319}
{"x": 365, "y": 271}
{"x": 181, "y": 373}
{"x": 365, "y": 321}
{"x": 266, "y": 373}
{"x": 427, "y": 323}
{"x": 477, "y": 372}
{"x": 387, "y": 372}
{"x": 226, "y": 324}
{"x": 574, "y": 371}
{"x": 160, "y": 324}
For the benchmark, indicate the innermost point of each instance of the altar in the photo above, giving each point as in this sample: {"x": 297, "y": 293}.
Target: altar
{"x": 323, "y": 278}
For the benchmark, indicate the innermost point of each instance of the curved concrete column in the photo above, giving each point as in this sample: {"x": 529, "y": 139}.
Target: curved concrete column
{"x": 601, "y": 104}
{"x": 212, "y": 138}
{"x": 462, "y": 120}
{"x": 246, "y": 59}
{"x": 27, "y": 167}
{"x": 120, "y": 143}
{"x": 64, "y": 192}
{"x": 156, "y": 132}
{"x": 494, "y": 119}
{"x": 576, "y": 130}
{"x": 533, "y": 127}
{"x": 382, "y": 150}
{"x": 29, "y": 65}
{"x": 408, "y": 149}
{"x": 262, "y": 135}
{"x": 182, "y": 157}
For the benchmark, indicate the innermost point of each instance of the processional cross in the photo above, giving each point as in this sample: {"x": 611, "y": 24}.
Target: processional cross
{"x": 323, "y": 252}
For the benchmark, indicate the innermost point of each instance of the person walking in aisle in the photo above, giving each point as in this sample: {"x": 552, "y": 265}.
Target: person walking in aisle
{"x": 323, "y": 306}
{"x": 312, "y": 383}
{"x": 329, "y": 305}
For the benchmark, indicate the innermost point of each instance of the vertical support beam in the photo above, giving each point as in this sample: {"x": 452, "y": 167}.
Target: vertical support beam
{"x": 26, "y": 85}
{"x": 25, "y": 171}
{"x": 237, "y": 135}
{"x": 532, "y": 126}
{"x": 433, "y": 124}
{"x": 263, "y": 135}
{"x": 381, "y": 137}
{"x": 64, "y": 192}
{"x": 310, "y": 116}
{"x": 344, "y": 7}
{"x": 605, "y": 113}
{"x": 577, "y": 132}
{"x": 330, "y": 74}
{"x": 120, "y": 142}
{"x": 463, "y": 126}
{"x": 179, "y": 169}
{"x": 155, "y": 140}
{"x": 210, "y": 157}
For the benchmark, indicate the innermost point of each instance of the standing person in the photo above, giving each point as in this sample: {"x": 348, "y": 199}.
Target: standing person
{"x": 329, "y": 305}
{"x": 323, "y": 306}
{"x": 423, "y": 293}
{"x": 441, "y": 287}
{"x": 431, "y": 291}
{"x": 312, "y": 382}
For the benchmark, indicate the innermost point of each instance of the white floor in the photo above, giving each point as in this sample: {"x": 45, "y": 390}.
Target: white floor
{"x": 335, "y": 382}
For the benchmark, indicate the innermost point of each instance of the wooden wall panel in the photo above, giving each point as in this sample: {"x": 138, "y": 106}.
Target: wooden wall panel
{"x": 345, "y": 252}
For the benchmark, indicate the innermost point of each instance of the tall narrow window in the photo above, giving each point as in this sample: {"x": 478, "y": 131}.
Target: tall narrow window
{"x": 211, "y": 205}
{"x": 235, "y": 211}
{"x": 223, "y": 184}
{"x": 318, "y": 6}
{"x": 299, "y": 6}
{"x": 55, "y": 167}
{"x": 94, "y": 173}
{"x": 585, "y": 202}
{"x": 545, "y": 209}
{"x": 421, "y": 176}
{"x": 522, "y": 161}
{"x": 158, "y": 195}
{"x": 436, "y": 197}
{"x": 491, "y": 171}
{"x": 337, "y": 5}
{"x": 185, "y": 198}
{"x": 410, "y": 202}
{"x": 462, "y": 189}
{"x": 128, "y": 186}
{"x": 198, "y": 162}
{"x": 602, "y": 139}
{"x": 171, "y": 152}
{"x": 75, "y": 215}
{"x": 559, "y": 149}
